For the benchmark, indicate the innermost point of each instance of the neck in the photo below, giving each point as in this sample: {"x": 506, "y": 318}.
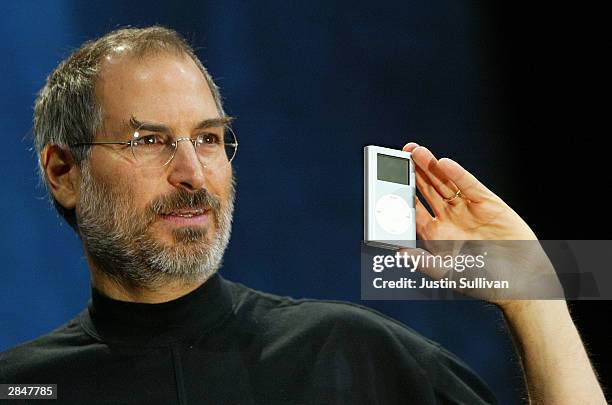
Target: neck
{"x": 125, "y": 291}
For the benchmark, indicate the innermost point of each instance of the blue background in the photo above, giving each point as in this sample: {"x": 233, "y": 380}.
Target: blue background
{"x": 311, "y": 83}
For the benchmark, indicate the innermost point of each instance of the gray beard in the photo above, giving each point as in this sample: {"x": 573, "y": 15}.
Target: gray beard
{"x": 117, "y": 240}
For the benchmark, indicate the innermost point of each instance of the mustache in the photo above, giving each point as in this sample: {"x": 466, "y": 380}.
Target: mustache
{"x": 183, "y": 199}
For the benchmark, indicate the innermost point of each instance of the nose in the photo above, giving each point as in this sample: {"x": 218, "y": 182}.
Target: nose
{"x": 186, "y": 170}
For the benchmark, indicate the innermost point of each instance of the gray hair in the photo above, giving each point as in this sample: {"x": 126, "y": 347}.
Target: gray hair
{"x": 66, "y": 111}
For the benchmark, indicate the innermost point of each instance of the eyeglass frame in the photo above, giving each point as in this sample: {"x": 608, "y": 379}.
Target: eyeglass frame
{"x": 130, "y": 143}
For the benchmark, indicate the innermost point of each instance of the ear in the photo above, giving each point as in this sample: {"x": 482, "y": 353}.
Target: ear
{"x": 63, "y": 175}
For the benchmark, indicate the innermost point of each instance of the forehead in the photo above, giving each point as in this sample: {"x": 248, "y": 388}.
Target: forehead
{"x": 165, "y": 88}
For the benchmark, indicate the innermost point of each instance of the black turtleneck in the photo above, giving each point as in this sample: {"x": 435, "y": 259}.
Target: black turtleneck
{"x": 147, "y": 325}
{"x": 225, "y": 343}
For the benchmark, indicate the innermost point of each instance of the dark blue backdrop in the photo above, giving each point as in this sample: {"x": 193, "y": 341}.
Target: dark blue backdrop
{"x": 311, "y": 84}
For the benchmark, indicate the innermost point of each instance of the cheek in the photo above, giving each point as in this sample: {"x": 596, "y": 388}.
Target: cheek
{"x": 219, "y": 181}
{"x": 132, "y": 191}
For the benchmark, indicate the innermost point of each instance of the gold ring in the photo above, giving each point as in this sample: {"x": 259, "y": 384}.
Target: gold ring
{"x": 449, "y": 199}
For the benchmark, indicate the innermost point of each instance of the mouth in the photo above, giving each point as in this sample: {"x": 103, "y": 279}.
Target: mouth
{"x": 187, "y": 216}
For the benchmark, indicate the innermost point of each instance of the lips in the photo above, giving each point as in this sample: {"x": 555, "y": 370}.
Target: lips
{"x": 187, "y": 213}
{"x": 187, "y": 216}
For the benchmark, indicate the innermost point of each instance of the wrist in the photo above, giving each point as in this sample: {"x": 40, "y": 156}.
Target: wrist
{"x": 534, "y": 309}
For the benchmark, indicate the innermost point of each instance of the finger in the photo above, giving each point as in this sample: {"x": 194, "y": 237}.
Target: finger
{"x": 426, "y": 188}
{"x": 431, "y": 195}
{"x": 438, "y": 179}
{"x": 409, "y": 147}
{"x": 470, "y": 187}
{"x": 423, "y": 218}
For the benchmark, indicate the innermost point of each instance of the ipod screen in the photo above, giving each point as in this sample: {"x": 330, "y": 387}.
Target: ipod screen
{"x": 393, "y": 169}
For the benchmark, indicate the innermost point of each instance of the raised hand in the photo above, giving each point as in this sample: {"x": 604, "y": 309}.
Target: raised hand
{"x": 476, "y": 213}
{"x": 466, "y": 210}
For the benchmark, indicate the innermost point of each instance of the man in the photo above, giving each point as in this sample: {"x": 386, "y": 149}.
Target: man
{"x": 154, "y": 215}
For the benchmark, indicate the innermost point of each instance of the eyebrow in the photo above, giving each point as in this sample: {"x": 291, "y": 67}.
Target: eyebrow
{"x": 158, "y": 127}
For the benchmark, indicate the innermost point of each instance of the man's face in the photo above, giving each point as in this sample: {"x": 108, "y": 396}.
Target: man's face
{"x": 148, "y": 224}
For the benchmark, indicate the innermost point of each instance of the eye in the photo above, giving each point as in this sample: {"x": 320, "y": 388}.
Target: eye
{"x": 149, "y": 140}
{"x": 208, "y": 139}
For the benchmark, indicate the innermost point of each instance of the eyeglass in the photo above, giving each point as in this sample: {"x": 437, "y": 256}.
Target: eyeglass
{"x": 153, "y": 145}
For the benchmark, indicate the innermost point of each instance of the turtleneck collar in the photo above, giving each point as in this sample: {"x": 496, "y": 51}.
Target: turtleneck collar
{"x": 187, "y": 317}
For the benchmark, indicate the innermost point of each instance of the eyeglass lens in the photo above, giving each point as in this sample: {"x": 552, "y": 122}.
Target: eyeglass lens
{"x": 212, "y": 145}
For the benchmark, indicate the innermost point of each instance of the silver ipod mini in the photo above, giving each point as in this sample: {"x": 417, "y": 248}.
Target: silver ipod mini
{"x": 389, "y": 198}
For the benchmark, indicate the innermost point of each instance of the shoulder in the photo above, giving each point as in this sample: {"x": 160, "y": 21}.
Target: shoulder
{"x": 45, "y": 352}
{"x": 331, "y": 329}
{"x": 286, "y": 316}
